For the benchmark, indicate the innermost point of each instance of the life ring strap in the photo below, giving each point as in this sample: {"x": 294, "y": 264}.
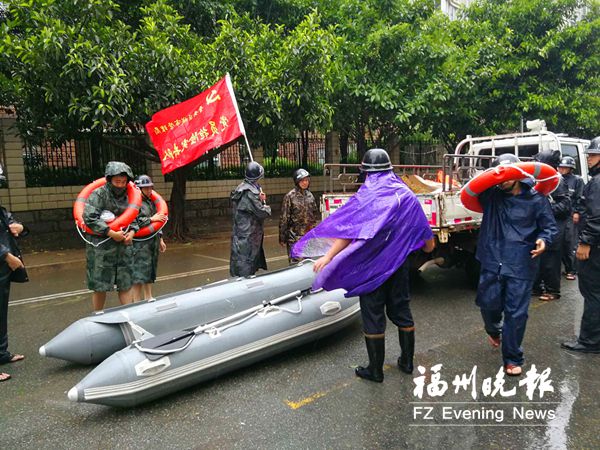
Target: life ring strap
{"x": 546, "y": 177}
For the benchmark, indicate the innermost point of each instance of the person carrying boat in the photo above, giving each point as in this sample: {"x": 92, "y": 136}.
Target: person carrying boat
{"x": 249, "y": 212}
{"x": 109, "y": 253}
{"x": 145, "y": 250}
{"x": 575, "y": 184}
{"x": 365, "y": 245}
{"x": 588, "y": 257}
{"x": 547, "y": 284}
{"x": 517, "y": 226}
{"x": 298, "y": 212}
{"x": 9, "y": 262}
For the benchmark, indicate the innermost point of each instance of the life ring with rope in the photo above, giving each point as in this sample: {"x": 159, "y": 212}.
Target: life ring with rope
{"x": 161, "y": 208}
{"x": 545, "y": 176}
{"x": 134, "y": 200}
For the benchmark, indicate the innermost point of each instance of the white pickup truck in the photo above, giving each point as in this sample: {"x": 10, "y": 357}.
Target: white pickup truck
{"x": 438, "y": 189}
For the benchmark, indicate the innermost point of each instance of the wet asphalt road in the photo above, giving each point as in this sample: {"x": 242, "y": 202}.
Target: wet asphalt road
{"x": 308, "y": 397}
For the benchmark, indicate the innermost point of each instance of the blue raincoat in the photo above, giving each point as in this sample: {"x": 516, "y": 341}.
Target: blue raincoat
{"x": 511, "y": 225}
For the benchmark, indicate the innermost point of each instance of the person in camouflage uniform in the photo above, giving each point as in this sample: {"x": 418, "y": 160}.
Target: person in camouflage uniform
{"x": 109, "y": 263}
{"x": 249, "y": 213}
{"x": 298, "y": 212}
{"x": 145, "y": 250}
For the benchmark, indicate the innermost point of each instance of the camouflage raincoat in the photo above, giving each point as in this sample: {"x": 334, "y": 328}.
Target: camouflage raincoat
{"x": 299, "y": 215}
{"x": 247, "y": 254}
{"x": 145, "y": 251}
{"x": 111, "y": 263}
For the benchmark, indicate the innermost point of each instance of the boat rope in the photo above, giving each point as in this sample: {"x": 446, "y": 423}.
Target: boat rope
{"x": 214, "y": 331}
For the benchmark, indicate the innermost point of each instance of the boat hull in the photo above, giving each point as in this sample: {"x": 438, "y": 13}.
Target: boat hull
{"x": 128, "y": 377}
{"x": 96, "y": 337}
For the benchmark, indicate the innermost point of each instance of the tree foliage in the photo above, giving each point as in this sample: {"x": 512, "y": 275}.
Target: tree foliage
{"x": 375, "y": 70}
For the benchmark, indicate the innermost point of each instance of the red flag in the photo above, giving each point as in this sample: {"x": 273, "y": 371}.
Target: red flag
{"x": 184, "y": 132}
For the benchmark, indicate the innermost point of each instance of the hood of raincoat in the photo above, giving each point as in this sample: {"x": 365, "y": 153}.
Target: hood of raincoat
{"x": 245, "y": 185}
{"x": 117, "y": 168}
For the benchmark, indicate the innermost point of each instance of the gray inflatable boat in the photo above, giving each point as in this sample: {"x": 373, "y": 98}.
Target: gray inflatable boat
{"x": 96, "y": 337}
{"x": 158, "y": 366}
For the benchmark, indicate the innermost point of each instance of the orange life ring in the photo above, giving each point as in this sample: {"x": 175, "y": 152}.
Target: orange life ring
{"x": 547, "y": 181}
{"x": 134, "y": 199}
{"x": 161, "y": 208}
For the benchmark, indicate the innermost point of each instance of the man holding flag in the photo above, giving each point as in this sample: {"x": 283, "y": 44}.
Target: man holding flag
{"x": 249, "y": 212}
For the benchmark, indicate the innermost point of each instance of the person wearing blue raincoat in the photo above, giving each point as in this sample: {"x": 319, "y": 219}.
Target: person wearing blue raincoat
{"x": 365, "y": 245}
{"x": 518, "y": 225}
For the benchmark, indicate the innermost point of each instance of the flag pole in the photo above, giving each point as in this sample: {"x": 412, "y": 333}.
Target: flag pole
{"x": 239, "y": 116}
{"x": 248, "y": 147}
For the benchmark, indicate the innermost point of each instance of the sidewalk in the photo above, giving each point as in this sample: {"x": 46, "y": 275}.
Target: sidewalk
{"x": 71, "y": 248}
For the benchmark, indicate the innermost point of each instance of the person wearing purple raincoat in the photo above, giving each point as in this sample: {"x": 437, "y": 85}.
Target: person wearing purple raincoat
{"x": 365, "y": 246}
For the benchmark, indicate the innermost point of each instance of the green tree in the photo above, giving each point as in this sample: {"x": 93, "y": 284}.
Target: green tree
{"x": 76, "y": 66}
{"x": 548, "y": 68}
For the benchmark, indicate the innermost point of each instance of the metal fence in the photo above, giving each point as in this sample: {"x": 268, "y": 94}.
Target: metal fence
{"x": 81, "y": 160}
{"x": 288, "y": 156}
{"x": 412, "y": 152}
{"x": 77, "y": 161}
{"x": 279, "y": 161}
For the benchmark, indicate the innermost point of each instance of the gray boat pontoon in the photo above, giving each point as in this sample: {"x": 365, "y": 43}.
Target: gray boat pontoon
{"x": 152, "y": 368}
{"x": 96, "y": 337}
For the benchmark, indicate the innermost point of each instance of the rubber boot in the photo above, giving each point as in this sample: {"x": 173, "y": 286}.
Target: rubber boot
{"x": 376, "y": 351}
{"x": 407, "y": 350}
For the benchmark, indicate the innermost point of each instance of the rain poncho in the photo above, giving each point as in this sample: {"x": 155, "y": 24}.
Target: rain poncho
{"x": 247, "y": 254}
{"x": 386, "y": 223}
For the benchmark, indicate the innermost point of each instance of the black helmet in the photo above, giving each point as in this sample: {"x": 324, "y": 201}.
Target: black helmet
{"x": 569, "y": 162}
{"x": 376, "y": 160}
{"x": 594, "y": 147}
{"x": 504, "y": 159}
{"x": 254, "y": 171}
{"x": 550, "y": 157}
{"x": 144, "y": 181}
{"x": 300, "y": 174}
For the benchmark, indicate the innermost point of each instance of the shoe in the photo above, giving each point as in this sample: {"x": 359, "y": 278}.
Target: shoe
{"x": 494, "y": 341}
{"x": 577, "y": 347}
{"x": 512, "y": 370}
{"x": 13, "y": 358}
{"x": 376, "y": 352}
{"x": 571, "y": 276}
{"x": 407, "y": 350}
{"x": 4, "y": 377}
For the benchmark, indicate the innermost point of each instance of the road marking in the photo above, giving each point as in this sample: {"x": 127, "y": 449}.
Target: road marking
{"x": 174, "y": 276}
{"x": 317, "y": 395}
{"x": 214, "y": 258}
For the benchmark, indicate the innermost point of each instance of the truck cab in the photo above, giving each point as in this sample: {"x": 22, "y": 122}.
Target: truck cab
{"x": 524, "y": 145}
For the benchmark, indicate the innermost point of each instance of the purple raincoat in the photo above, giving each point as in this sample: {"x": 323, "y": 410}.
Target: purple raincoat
{"x": 386, "y": 223}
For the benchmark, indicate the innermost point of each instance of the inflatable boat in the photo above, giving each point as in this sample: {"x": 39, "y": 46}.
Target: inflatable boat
{"x": 96, "y": 337}
{"x": 152, "y": 368}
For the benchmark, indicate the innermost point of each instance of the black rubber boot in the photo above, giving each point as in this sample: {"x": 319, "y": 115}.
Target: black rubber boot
{"x": 376, "y": 351}
{"x": 407, "y": 350}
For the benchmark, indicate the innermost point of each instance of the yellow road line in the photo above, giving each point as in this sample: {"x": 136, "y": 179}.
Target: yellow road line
{"x": 320, "y": 394}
